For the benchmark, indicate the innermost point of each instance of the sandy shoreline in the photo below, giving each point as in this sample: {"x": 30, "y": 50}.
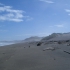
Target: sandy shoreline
{"x": 16, "y": 57}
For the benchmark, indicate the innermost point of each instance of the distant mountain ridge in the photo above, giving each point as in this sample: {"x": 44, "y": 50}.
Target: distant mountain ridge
{"x": 57, "y": 36}
{"x": 30, "y": 39}
{"x": 34, "y": 38}
{"x": 52, "y": 36}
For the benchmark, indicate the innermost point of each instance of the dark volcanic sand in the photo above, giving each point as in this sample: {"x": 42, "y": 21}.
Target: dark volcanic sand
{"x": 16, "y": 57}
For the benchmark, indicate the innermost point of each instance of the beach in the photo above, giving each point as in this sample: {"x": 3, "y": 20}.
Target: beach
{"x": 23, "y": 57}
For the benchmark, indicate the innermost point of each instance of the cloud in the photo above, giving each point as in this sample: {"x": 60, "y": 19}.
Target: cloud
{"x": 58, "y": 25}
{"x": 61, "y": 25}
{"x": 28, "y": 18}
{"x": 11, "y": 17}
{"x": 47, "y": 1}
{"x": 1, "y": 4}
{"x": 67, "y": 10}
{"x": 7, "y": 13}
{"x": 10, "y": 14}
{"x": 69, "y": 14}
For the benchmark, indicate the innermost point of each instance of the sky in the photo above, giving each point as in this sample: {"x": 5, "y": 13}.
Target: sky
{"x": 20, "y": 19}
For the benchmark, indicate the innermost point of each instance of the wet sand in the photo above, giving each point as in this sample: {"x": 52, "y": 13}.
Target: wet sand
{"x": 23, "y": 57}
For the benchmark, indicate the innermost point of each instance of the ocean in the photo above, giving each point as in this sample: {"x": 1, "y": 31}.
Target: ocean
{"x": 3, "y": 44}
